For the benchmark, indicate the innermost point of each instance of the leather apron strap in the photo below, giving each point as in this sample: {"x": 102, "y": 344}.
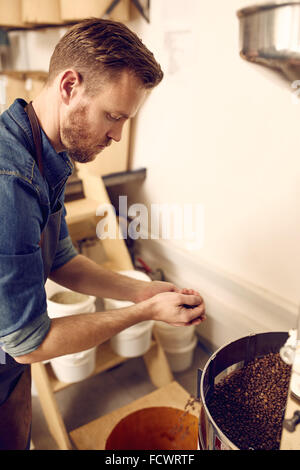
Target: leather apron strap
{"x": 50, "y": 234}
{"x": 36, "y": 132}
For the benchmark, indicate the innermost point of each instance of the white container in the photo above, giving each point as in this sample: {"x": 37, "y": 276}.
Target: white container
{"x": 86, "y": 303}
{"x": 173, "y": 337}
{"x": 140, "y": 275}
{"x": 78, "y": 366}
{"x": 136, "y": 340}
{"x": 74, "y": 367}
{"x": 182, "y": 358}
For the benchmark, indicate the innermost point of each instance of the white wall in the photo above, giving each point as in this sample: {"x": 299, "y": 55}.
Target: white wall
{"x": 219, "y": 133}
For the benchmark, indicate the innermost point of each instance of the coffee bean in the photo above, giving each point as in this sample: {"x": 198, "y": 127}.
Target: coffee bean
{"x": 248, "y": 405}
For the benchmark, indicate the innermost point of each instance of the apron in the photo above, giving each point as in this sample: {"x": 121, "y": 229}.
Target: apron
{"x": 16, "y": 411}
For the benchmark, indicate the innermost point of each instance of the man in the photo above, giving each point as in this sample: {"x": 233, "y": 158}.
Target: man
{"x": 100, "y": 74}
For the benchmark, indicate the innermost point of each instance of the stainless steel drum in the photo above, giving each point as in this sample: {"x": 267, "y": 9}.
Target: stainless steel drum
{"x": 225, "y": 360}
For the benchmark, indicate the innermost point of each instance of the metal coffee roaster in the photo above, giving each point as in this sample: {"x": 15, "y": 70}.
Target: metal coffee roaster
{"x": 270, "y": 38}
{"x": 223, "y": 362}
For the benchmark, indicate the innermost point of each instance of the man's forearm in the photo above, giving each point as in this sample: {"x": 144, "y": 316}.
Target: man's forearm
{"x": 75, "y": 333}
{"x": 84, "y": 275}
{"x": 72, "y": 334}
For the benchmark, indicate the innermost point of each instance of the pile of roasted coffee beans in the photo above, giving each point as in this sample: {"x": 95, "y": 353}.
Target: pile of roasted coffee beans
{"x": 248, "y": 405}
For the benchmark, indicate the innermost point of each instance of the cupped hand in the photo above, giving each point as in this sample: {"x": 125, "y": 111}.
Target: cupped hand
{"x": 146, "y": 290}
{"x": 180, "y": 308}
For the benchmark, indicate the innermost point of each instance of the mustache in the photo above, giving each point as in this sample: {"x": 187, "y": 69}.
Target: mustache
{"x": 108, "y": 142}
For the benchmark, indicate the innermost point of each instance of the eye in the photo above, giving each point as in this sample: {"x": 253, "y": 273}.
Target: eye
{"x": 112, "y": 117}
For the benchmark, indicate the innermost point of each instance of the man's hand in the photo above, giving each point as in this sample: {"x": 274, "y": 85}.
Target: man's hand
{"x": 182, "y": 308}
{"x": 146, "y": 290}
{"x": 172, "y": 305}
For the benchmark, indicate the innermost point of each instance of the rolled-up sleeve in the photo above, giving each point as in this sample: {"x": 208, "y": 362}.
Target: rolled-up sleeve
{"x": 28, "y": 338}
{"x": 65, "y": 249}
{"x": 23, "y": 306}
{"x": 64, "y": 253}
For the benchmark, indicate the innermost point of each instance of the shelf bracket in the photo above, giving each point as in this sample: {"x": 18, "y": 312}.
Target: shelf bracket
{"x": 144, "y": 11}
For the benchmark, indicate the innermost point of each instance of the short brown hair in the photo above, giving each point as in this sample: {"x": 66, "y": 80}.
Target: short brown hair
{"x": 96, "y": 46}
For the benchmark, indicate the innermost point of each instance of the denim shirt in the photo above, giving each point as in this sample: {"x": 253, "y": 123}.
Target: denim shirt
{"x": 26, "y": 200}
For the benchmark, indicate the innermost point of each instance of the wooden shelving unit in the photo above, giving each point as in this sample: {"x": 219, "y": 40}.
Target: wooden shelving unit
{"x": 74, "y": 188}
{"x": 105, "y": 359}
{"x": 127, "y": 9}
{"x": 47, "y": 384}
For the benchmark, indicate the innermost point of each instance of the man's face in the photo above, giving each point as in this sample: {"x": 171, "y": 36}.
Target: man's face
{"x": 91, "y": 123}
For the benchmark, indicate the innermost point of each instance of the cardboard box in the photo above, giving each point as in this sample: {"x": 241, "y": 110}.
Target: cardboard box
{"x": 11, "y": 13}
{"x": 72, "y": 10}
{"x": 113, "y": 159}
{"x": 78, "y": 9}
{"x": 21, "y": 85}
{"x": 37, "y": 12}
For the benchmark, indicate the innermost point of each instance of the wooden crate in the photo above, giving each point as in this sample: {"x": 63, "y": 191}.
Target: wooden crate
{"x": 72, "y": 10}
{"x": 41, "y": 12}
{"x": 11, "y": 13}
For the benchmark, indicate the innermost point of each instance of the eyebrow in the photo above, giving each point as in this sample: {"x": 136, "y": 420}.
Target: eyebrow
{"x": 119, "y": 113}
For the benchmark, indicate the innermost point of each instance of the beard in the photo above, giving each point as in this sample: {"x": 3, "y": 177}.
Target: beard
{"x": 77, "y": 140}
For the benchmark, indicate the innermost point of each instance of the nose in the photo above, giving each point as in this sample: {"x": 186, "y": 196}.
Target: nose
{"x": 115, "y": 133}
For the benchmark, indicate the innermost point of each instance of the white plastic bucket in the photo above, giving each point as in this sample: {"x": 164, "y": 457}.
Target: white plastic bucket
{"x": 140, "y": 275}
{"x": 77, "y": 366}
{"x": 173, "y": 337}
{"x": 74, "y": 367}
{"x": 182, "y": 358}
{"x": 84, "y": 303}
{"x": 136, "y": 340}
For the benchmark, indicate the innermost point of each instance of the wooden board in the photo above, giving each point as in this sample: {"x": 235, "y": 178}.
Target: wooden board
{"x": 93, "y": 436}
{"x": 96, "y": 197}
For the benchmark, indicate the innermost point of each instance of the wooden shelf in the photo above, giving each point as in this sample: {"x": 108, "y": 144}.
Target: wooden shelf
{"x": 114, "y": 179}
{"x": 105, "y": 359}
{"x": 37, "y": 26}
{"x": 23, "y": 74}
{"x": 137, "y": 8}
{"x": 81, "y": 209}
{"x": 47, "y": 384}
{"x": 74, "y": 188}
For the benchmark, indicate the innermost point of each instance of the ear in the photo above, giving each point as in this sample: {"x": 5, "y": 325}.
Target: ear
{"x": 70, "y": 84}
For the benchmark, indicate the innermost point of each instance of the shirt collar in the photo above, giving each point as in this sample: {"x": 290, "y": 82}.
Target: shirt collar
{"x": 57, "y": 166}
